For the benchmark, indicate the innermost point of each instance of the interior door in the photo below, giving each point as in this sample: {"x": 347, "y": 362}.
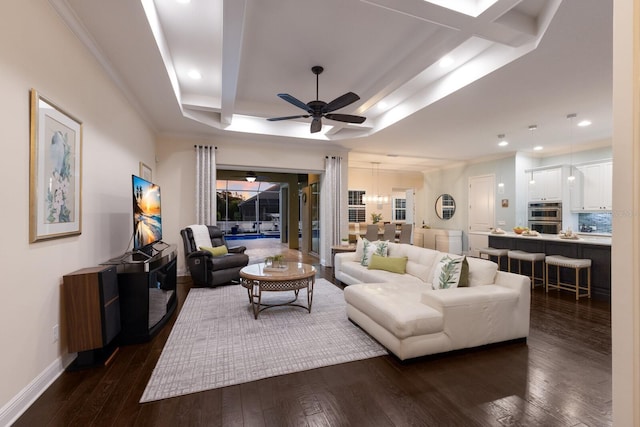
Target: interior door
{"x": 410, "y": 195}
{"x": 482, "y": 196}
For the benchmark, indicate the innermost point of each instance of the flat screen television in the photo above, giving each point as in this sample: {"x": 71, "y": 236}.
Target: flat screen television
{"x": 147, "y": 218}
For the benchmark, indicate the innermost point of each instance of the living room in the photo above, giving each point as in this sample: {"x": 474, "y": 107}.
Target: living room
{"x": 39, "y": 51}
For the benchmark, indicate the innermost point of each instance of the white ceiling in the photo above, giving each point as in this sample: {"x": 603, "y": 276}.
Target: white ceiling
{"x": 518, "y": 63}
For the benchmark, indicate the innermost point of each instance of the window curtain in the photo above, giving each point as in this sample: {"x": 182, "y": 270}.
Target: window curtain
{"x": 333, "y": 204}
{"x": 205, "y": 185}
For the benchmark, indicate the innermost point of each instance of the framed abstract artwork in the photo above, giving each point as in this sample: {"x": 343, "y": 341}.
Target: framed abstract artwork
{"x": 55, "y": 181}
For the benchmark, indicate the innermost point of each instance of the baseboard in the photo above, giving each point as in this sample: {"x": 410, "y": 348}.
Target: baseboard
{"x": 10, "y": 412}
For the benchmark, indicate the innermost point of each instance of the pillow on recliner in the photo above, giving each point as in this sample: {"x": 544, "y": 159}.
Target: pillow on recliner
{"x": 215, "y": 251}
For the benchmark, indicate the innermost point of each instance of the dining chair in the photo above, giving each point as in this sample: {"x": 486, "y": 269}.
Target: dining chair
{"x": 372, "y": 232}
{"x": 405, "y": 233}
{"x": 389, "y": 232}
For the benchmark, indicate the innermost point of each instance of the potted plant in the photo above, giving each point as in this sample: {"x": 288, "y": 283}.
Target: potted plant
{"x": 275, "y": 261}
{"x": 344, "y": 241}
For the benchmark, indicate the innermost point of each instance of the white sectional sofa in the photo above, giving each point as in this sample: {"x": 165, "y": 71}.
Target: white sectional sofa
{"x": 407, "y": 316}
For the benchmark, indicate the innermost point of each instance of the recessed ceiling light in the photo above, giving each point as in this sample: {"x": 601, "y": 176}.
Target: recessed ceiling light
{"x": 194, "y": 74}
{"x": 584, "y": 123}
{"x": 538, "y": 148}
{"x": 447, "y": 61}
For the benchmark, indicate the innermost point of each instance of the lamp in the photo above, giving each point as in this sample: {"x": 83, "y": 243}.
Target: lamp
{"x": 375, "y": 198}
{"x": 501, "y": 141}
{"x": 251, "y": 176}
{"x": 571, "y": 177}
{"x": 532, "y": 128}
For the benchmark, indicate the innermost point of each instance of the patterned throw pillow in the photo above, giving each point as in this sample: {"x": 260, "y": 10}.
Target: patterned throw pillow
{"x": 378, "y": 247}
{"x": 446, "y": 274}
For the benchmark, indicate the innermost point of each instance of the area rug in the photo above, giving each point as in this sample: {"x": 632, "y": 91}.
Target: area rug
{"x": 216, "y": 342}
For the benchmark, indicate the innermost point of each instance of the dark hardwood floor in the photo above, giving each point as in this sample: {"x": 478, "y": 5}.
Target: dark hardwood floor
{"x": 560, "y": 377}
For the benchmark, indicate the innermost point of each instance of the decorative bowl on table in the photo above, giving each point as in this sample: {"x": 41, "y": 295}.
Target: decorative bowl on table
{"x": 520, "y": 230}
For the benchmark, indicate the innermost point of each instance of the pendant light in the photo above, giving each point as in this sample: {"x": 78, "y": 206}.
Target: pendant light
{"x": 532, "y": 128}
{"x": 375, "y": 197}
{"x": 501, "y": 143}
{"x": 571, "y": 177}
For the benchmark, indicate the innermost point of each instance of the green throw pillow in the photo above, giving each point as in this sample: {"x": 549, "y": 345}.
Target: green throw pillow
{"x": 215, "y": 251}
{"x": 464, "y": 274}
{"x": 392, "y": 264}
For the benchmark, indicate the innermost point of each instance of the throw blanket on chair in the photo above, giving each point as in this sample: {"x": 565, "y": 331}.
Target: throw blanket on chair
{"x": 200, "y": 235}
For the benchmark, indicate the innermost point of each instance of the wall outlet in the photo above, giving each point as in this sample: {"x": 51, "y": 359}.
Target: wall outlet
{"x": 56, "y": 333}
{"x": 501, "y": 222}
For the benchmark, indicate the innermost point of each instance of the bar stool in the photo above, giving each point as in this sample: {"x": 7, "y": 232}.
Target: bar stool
{"x": 531, "y": 257}
{"x": 498, "y": 253}
{"x": 577, "y": 265}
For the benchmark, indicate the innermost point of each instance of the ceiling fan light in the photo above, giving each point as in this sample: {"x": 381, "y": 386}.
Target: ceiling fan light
{"x": 251, "y": 178}
{"x": 445, "y": 62}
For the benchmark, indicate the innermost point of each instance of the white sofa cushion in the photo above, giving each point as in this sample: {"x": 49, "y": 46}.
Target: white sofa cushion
{"x": 364, "y": 275}
{"x": 420, "y": 260}
{"x": 481, "y": 271}
{"x": 475, "y": 316}
{"x": 395, "y": 307}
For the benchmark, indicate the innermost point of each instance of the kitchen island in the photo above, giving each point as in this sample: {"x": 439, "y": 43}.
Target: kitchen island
{"x": 595, "y": 248}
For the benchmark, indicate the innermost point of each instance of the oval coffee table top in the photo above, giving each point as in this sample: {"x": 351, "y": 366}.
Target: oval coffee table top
{"x": 292, "y": 271}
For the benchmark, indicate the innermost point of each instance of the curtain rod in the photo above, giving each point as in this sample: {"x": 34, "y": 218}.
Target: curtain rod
{"x": 204, "y": 146}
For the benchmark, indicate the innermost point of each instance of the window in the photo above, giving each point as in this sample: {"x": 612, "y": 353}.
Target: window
{"x": 357, "y": 209}
{"x": 399, "y": 210}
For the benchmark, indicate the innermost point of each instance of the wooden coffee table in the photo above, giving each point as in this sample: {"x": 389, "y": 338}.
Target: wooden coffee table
{"x": 258, "y": 278}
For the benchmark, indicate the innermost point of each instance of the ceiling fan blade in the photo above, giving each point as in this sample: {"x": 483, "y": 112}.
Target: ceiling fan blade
{"x": 275, "y": 119}
{"x": 340, "y": 102}
{"x": 346, "y": 118}
{"x": 316, "y": 125}
{"x": 295, "y": 101}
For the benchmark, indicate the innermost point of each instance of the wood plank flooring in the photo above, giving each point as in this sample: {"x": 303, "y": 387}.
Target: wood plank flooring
{"x": 560, "y": 377}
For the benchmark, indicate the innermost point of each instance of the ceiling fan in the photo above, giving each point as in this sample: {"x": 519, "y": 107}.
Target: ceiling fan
{"x": 319, "y": 109}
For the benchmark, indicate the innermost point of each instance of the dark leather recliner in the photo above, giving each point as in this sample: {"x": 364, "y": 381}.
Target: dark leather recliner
{"x": 209, "y": 270}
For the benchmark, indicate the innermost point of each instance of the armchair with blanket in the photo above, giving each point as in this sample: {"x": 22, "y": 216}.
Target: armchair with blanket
{"x": 210, "y": 260}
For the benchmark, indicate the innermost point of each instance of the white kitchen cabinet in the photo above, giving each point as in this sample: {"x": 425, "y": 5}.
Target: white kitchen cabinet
{"x": 597, "y": 186}
{"x": 547, "y": 185}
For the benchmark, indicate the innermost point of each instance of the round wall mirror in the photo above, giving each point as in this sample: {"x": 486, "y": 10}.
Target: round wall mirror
{"x": 445, "y": 206}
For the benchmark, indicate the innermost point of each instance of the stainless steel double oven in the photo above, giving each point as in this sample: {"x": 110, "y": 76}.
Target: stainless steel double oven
{"x": 545, "y": 217}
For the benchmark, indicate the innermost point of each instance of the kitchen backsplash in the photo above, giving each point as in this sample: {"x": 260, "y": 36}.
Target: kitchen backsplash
{"x": 595, "y": 222}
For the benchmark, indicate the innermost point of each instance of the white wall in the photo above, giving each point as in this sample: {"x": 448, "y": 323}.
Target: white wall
{"x": 176, "y": 172}
{"x": 455, "y": 181}
{"x": 625, "y": 252}
{"x": 386, "y": 182}
{"x": 37, "y": 50}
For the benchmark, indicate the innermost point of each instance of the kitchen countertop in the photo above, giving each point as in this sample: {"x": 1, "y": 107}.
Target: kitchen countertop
{"x": 584, "y": 239}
